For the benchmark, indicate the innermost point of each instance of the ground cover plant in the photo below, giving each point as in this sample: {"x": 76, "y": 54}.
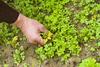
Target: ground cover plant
{"x": 72, "y": 25}
{"x": 89, "y": 62}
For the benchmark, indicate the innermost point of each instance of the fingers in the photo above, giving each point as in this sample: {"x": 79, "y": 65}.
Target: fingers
{"x": 39, "y": 40}
{"x": 42, "y": 28}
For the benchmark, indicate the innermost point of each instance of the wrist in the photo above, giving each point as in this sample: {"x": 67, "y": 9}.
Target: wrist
{"x": 20, "y": 21}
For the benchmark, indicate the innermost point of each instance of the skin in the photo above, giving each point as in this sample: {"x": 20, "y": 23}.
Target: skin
{"x": 31, "y": 29}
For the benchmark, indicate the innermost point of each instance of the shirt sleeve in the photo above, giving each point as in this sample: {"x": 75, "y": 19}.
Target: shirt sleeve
{"x": 7, "y": 14}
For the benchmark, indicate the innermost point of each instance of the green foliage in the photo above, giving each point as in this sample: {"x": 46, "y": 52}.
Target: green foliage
{"x": 8, "y": 34}
{"x": 72, "y": 23}
{"x": 19, "y": 55}
{"x": 70, "y": 26}
{"x": 26, "y": 65}
{"x": 98, "y": 43}
{"x": 89, "y": 62}
{"x": 47, "y": 36}
{"x": 6, "y": 65}
{"x": 88, "y": 18}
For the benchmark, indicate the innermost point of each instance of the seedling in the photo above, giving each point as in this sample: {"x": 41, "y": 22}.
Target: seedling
{"x": 47, "y": 36}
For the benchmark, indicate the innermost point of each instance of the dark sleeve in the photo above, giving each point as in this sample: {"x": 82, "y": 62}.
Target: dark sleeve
{"x": 7, "y": 14}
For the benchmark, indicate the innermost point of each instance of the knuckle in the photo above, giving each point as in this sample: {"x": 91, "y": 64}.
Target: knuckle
{"x": 41, "y": 26}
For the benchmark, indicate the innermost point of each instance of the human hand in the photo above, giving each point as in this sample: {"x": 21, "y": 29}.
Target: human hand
{"x": 31, "y": 29}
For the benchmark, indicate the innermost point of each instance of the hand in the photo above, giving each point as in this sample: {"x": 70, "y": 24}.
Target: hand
{"x": 31, "y": 29}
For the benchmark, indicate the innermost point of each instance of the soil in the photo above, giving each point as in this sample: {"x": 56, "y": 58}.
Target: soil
{"x": 31, "y": 57}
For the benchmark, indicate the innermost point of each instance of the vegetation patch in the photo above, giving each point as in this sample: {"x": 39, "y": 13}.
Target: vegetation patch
{"x": 72, "y": 25}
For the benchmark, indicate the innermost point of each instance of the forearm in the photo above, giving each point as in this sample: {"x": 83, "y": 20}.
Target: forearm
{"x": 7, "y": 14}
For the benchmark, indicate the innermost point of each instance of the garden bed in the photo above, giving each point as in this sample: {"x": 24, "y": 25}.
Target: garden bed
{"x": 75, "y": 39}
